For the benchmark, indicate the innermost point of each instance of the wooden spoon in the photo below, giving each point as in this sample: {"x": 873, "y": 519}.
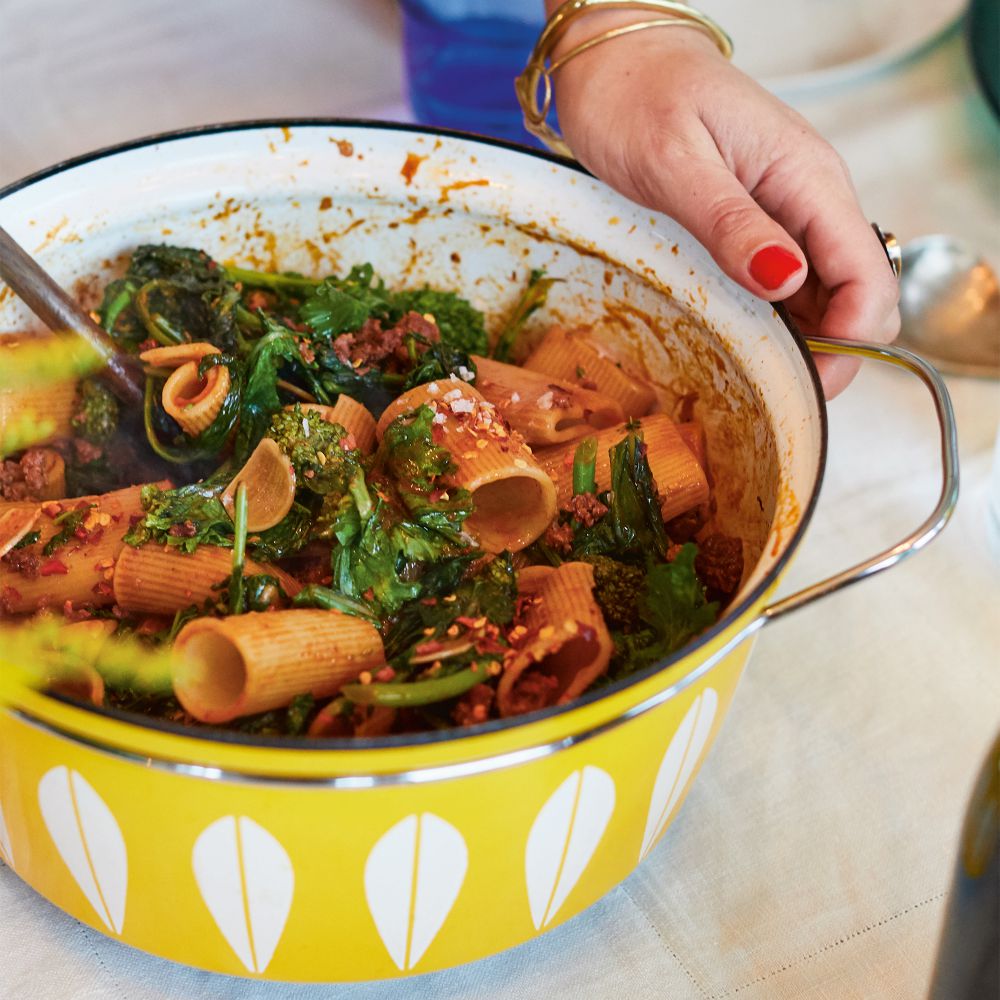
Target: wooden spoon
{"x": 122, "y": 373}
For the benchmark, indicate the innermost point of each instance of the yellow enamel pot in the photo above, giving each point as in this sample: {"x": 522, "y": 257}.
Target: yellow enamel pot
{"x": 350, "y": 860}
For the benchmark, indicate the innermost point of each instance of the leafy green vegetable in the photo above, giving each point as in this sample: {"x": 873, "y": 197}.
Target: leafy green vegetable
{"x": 69, "y": 522}
{"x": 342, "y": 305}
{"x": 97, "y": 415}
{"x": 382, "y": 546}
{"x": 287, "y": 537}
{"x": 633, "y": 523}
{"x": 531, "y": 301}
{"x": 29, "y": 539}
{"x": 386, "y": 538}
{"x": 440, "y": 361}
{"x": 260, "y": 399}
{"x": 461, "y": 324}
{"x": 619, "y": 589}
{"x": 185, "y": 517}
{"x": 290, "y": 721}
{"x": 409, "y": 454}
{"x": 673, "y": 609}
{"x": 313, "y": 446}
{"x": 490, "y": 593}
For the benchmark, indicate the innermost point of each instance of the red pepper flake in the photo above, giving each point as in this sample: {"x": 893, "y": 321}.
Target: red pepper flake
{"x": 430, "y": 602}
{"x": 385, "y": 674}
{"x": 102, "y": 589}
{"x": 54, "y": 567}
{"x": 51, "y": 509}
{"x": 369, "y": 594}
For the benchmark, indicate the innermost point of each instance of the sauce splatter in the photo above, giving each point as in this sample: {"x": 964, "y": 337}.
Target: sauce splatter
{"x": 411, "y": 166}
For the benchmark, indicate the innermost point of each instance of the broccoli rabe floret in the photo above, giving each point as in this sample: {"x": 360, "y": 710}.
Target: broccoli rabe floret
{"x": 619, "y": 589}
{"x": 96, "y": 416}
{"x": 316, "y": 449}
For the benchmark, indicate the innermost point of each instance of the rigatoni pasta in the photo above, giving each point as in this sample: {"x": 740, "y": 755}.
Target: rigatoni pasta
{"x": 514, "y": 499}
{"x": 55, "y": 402}
{"x": 678, "y": 475}
{"x": 258, "y": 661}
{"x": 74, "y": 557}
{"x": 569, "y": 355}
{"x": 541, "y": 410}
{"x": 566, "y": 645}
{"x": 159, "y": 580}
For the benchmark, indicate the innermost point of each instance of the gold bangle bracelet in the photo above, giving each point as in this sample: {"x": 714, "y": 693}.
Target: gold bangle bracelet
{"x": 541, "y": 66}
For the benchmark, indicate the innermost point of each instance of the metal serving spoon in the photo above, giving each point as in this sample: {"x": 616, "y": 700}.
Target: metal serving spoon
{"x": 60, "y": 312}
{"x": 949, "y": 301}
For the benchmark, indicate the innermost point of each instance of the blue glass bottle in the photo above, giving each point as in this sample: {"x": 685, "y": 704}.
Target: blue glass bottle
{"x": 461, "y": 60}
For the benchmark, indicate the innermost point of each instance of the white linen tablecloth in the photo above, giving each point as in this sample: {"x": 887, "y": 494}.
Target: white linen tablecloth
{"x": 814, "y": 854}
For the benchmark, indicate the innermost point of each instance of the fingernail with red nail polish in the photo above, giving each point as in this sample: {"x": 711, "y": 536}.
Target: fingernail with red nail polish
{"x": 773, "y": 266}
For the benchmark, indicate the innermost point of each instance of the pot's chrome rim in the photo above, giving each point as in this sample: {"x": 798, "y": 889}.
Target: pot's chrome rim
{"x": 305, "y": 744}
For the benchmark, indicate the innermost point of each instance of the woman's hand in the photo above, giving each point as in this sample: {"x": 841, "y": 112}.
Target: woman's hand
{"x": 662, "y": 117}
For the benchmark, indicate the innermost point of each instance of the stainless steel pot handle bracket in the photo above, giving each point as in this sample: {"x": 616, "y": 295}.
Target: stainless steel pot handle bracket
{"x": 942, "y": 512}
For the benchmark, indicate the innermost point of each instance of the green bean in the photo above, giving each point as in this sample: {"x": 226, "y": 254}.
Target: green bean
{"x": 414, "y": 693}
{"x": 275, "y": 282}
{"x": 585, "y": 467}
{"x": 239, "y": 550}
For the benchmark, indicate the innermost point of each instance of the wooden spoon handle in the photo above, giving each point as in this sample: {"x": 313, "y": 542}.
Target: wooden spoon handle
{"x": 59, "y": 311}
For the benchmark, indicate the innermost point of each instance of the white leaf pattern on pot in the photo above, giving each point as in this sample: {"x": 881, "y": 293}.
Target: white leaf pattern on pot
{"x": 563, "y": 839}
{"x": 679, "y": 762}
{"x": 89, "y": 841}
{"x": 412, "y": 878}
{"x": 6, "y": 851}
{"x": 247, "y": 881}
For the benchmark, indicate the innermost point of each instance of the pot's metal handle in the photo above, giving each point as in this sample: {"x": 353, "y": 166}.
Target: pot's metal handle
{"x": 942, "y": 512}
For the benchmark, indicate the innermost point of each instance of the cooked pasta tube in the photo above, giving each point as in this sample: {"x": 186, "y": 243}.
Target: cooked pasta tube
{"x": 356, "y": 420}
{"x": 55, "y": 401}
{"x": 679, "y": 478}
{"x": 76, "y": 676}
{"x": 569, "y": 356}
{"x": 566, "y": 646}
{"x": 352, "y": 416}
{"x": 244, "y": 664}
{"x": 80, "y": 568}
{"x": 541, "y": 410}
{"x": 177, "y": 354}
{"x": 270, "y": 483}
{"x": 194, "y": 402}
{"x": 157, "y": 579}
{"x": 15, "y": 524}
{"x": 693, "y": 435}
{"x": 514, "y": 500}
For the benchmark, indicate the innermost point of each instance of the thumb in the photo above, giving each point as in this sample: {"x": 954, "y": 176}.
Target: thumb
{"x": 702, "y": 194}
